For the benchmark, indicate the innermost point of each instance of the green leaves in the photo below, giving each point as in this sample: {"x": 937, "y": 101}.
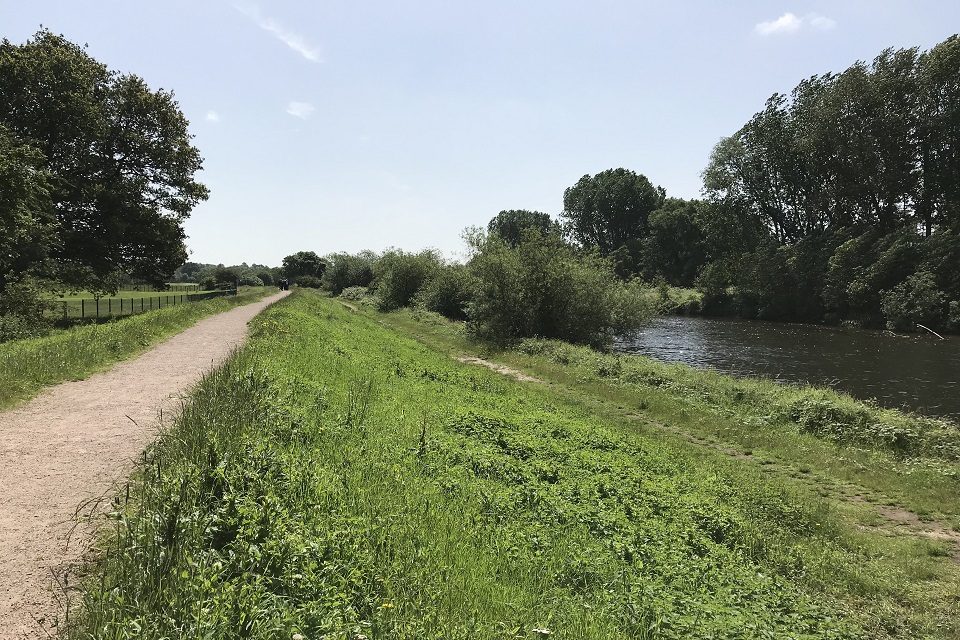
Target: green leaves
{"x": 119, "y": 158}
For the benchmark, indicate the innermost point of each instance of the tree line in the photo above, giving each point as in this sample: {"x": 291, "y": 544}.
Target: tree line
{"x": 841, "y": 201}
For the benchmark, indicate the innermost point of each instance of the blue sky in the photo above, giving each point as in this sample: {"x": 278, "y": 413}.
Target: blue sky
{"x": 344, "y": 125}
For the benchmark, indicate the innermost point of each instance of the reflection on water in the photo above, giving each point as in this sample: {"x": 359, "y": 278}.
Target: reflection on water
{"x": 916, "y": 372}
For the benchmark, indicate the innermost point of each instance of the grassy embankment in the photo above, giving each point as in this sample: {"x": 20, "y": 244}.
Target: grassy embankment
{"x": 27, "y": 366}
{"x": 339, "y": 479}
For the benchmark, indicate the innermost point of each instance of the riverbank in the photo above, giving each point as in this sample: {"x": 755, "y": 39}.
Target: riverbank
{"x": 346, "y": 476}
{"x": 915, "y": 372}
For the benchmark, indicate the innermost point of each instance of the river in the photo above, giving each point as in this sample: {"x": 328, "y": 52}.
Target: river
{"x": 919, "y": 373}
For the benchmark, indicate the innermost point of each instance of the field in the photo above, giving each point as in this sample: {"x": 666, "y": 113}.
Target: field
{"x": 83, "y": 304}
{"x": 344, "y": 477}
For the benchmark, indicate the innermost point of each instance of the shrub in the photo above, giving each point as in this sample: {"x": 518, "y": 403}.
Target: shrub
{"x": 22, "y": 307}
{"x": 17, "y": 327}
{"x": 916, "y": 300}
{"x": 348, "y": 270}
{"x": 311, "y": 282}
{"x": 448, "y": 292}
{"x": 355, "y": 293}
{"x": 399, "y": 276}
{"x": 544, "y": 288}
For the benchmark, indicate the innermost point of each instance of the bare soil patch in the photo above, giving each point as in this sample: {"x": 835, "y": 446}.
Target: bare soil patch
{"x": 499, "y": 368}
{"x": 73, "y": 444}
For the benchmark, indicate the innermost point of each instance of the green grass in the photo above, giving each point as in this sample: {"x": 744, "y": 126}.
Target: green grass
{"x": 340, "y": 479}
{"x": 27, "y": 366}
{"x": 81, "y": 305}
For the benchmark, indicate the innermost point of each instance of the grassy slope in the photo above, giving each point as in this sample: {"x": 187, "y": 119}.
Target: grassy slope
{"x": 27, "y": 366}
{"x": 337, "y": 479}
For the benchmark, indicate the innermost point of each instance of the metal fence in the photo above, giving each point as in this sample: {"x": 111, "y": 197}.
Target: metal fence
{"x": 114, "y": 307}
{"x": 147, "y": 288}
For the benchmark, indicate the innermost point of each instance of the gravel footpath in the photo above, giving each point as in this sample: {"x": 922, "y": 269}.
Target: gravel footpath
{"x": 68, "y": 447}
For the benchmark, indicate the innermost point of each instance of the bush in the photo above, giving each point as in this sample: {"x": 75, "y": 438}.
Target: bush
{"x": 251, "y": 281}
{"x": 22, "y": 307}
{"x": 348, "y": 270}
{"x": 917, "y": 300}
{"x": 544, "y": 288}
{"x": 448, "y": 292}
{"x": 399, "y": 276}
{"x": 309, "y": 282}
{"x": 17, "y": 327}
{"x": 355, "y": 293}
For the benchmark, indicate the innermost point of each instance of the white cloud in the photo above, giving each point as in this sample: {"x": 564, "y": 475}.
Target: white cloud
{"x": 213, "y": 116}
{"x": 822, "y": 22}
{"x": 791, "y": 23}
{"x": 301, "y": 110}
{"x": 292, "y": 40}
{"x": 787, "y": 23}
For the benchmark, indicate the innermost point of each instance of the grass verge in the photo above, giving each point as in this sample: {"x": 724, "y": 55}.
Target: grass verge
{"x": 337, "y": 479}
{"x": 27, "y": 366}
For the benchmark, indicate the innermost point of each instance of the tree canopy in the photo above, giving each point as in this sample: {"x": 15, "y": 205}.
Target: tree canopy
{"x": 302, "y": 263}
{"x": 610, "y": 209}
{"x": 118, "y": 155}
{"x": 510, "y": 224}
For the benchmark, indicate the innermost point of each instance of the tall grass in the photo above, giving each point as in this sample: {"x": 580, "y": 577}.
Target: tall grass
{"x": 27, "y": 366}
{"x": 338, "y": 480}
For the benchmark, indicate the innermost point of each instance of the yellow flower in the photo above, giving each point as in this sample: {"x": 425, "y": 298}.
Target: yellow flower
{"x": 386, "y": 605}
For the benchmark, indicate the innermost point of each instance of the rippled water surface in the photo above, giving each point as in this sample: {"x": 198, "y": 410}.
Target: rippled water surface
{"x": 919, "y": 373}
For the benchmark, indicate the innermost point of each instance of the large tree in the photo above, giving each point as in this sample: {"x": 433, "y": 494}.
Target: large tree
{"x": 119, "y": 156}
{"x": 610, "y": 210}
{"x": 302, "y": 263}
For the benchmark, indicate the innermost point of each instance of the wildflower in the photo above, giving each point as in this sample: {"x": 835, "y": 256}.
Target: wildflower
{"x": 387, "y": 605}
{"x": 542, "y": 633}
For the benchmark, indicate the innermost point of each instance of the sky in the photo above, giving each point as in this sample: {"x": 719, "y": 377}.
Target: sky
{"x": 345, "y": 125}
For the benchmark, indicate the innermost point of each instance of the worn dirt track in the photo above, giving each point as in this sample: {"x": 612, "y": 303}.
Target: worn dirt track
{"x": 71, "y": 445}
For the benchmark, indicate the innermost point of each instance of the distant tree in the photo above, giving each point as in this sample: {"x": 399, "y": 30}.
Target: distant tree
{"x": 675, "y": 247}
{"x": 511, "y": 224}
{"x": 119, "y": 156}
{"x": 610, "y": 209}
{"x": 225, "y": 278}
{"x": 349, "y": 270}
{"x": 302, "y": 263}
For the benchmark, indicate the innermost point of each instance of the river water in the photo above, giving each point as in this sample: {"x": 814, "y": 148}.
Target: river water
{"x": 919, "y": 373}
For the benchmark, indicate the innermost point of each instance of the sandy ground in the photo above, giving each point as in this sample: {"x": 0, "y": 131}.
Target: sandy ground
{"x": 70, "y": 446}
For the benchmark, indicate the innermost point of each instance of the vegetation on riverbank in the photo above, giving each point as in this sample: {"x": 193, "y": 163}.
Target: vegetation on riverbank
{"x": 339, "y": 479}
{"x": 27, "y": 366}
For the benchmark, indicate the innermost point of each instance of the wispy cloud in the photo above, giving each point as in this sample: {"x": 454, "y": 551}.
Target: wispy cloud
{"x": 822, "y": 22}
{"x": 213, "y": 116}
{"x": 292, "y": 40}
{"x": 791, "y": 23}
{"x": 302, "y": 110}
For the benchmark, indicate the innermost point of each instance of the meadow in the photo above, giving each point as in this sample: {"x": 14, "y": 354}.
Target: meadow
{"x": 27, "y": 366}
{"x": 342, "y": 476}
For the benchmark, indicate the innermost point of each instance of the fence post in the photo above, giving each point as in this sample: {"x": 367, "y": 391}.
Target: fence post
{"x": 110, "y": 307}
{"x": 97, "y": 300}
{"x": 83, "y": 308}
{"x": 64, "y": 309}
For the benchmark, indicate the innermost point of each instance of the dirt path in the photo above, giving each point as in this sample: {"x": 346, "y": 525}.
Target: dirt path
{"x": 71, "y": 444}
